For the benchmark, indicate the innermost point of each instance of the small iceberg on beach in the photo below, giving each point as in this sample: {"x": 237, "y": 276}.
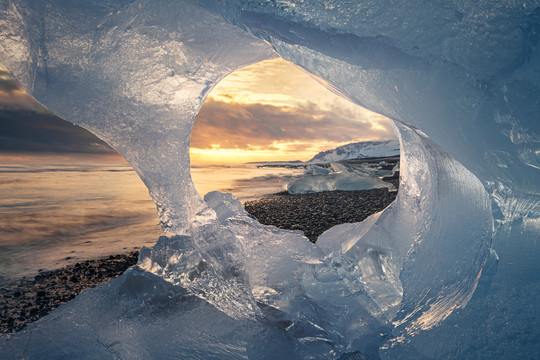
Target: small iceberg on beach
{"x": 337, "y": 176}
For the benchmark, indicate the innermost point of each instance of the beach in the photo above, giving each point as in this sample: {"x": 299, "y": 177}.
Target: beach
{"x": 314, "y": 213}
{"x": 26, "y": 300}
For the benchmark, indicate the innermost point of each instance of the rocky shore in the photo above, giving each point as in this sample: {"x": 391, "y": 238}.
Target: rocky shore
{"x": 27, "y": 300}
{"x": 315, "y": 213}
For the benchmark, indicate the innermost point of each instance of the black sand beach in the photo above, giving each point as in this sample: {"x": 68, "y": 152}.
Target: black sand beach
{"x": 315, "y": 213}
{"x": 29, "y": 299}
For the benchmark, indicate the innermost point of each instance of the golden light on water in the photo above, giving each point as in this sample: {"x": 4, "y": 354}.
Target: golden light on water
{"x": 60, "y": 209}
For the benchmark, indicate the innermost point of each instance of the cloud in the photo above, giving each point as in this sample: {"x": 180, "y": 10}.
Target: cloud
{"x": 260, "y": 126}
{"x": 274, "y": 105}
{"x": 26, "y": 131}
{"x": 8, "y": 84}
{"x": 274, "y": 82}
{"x": 14, "y": 98}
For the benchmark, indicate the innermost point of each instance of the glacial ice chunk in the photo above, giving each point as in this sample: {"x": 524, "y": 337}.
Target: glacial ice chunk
{"x": 336, "y": 176}
{"x": 449, "y": 270}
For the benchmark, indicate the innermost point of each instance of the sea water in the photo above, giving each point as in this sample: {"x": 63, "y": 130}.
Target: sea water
{"x": 59, "y": 210}
{"x": 245, "y": 181}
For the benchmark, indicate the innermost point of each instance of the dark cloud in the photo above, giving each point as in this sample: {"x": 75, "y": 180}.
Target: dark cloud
{"x": 26, "y": 131}
{"x": 248, "y": 126}
{"x": 7, "y": 83}
{"x": 14, "y": 98}
{"x": 26, "y": 126}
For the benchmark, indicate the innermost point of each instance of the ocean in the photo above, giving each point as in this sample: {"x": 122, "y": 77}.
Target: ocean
{"x": 246, "y": 182}
{"x": 56, "y": 211}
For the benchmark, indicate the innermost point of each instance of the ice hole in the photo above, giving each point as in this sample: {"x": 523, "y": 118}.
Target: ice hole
{"x": 403, "y": 271}
{"x": 295, "y": 154}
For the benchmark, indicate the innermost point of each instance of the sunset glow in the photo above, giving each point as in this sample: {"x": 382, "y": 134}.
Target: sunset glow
{"x": 282, "y": 152}
{"x": 272, "y": 111}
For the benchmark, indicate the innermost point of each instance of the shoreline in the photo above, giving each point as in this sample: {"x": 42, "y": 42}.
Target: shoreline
{"x": 28, "y": 299}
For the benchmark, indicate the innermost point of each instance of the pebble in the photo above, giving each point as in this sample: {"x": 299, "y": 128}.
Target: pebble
{"x": 314, "y": 213}
{"x": 27, "y": 300}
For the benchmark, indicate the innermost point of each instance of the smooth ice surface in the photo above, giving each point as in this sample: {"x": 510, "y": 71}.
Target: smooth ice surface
{"x": 448, "y": 271}
{"x": 336, "y": 176}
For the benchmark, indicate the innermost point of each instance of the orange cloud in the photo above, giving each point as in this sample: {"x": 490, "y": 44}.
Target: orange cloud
{"x": 274, "y": 110}
{"x": 250, "y": 126}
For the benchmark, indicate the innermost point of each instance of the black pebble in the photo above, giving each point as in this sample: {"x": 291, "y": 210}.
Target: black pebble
{"x": 317, "y": 212}
{"x": 28, "y": 300}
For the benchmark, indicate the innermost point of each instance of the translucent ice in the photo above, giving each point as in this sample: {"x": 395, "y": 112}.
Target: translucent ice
{"x": 449, "y": 270}
{"x": 336, "y": 176}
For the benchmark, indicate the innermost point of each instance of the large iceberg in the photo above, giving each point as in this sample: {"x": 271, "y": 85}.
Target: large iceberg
{"x": 359, "y": 150}
{"x": 448, "y": 271}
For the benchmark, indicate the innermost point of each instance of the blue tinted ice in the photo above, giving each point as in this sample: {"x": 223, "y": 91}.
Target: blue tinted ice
{"x": 449, "y": 270}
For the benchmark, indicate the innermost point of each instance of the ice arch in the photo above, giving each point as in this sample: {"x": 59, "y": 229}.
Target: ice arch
{"x": 136, "y": 72}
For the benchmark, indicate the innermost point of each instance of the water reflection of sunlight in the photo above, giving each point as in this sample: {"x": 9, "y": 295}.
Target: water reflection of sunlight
{"x": 57, "y": 210}
{"x": 245, "y": 181}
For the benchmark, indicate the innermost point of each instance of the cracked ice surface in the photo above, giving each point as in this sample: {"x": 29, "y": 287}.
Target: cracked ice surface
{"x": 447, "y": 271}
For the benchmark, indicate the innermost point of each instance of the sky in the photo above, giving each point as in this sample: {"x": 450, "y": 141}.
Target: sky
{"x": 269, "y": 111}
{"x": 28, "y": 127}
{"x": 274, "y": 110}
{"x": 14, "y": 98}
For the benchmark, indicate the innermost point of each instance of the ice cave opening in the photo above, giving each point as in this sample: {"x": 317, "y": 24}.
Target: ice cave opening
{"x": 295, "y": 154}
{"x": 417, "y": 280}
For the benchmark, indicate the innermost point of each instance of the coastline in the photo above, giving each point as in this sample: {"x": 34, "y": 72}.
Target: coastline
{"x": 28, "y": 299}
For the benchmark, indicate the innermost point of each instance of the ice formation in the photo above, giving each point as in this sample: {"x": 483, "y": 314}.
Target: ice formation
{"x": 336, "y": 176}
{"x": 449, "y": 270}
